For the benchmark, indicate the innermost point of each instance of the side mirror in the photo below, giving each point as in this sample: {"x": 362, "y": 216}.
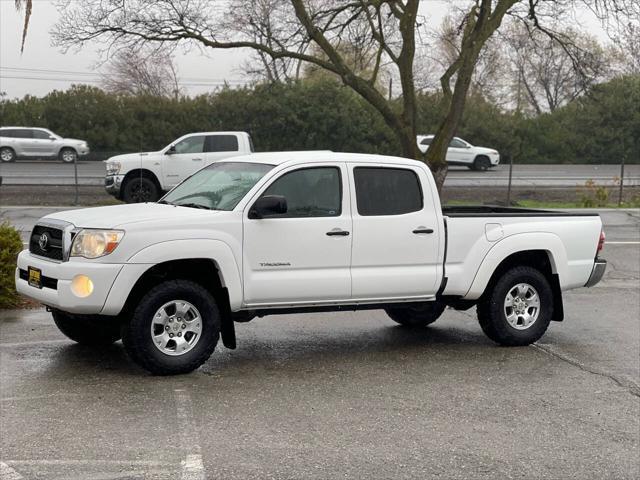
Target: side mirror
{"x": 171, "y": 150}
{"x": 268, "y": 205}
{"x": 51, "y": 137}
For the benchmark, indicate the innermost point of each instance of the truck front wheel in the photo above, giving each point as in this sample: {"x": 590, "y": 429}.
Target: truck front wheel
{"x": 140, "y": 189}
{"x": 415, "y": 316}
{"x": 517, "y": 310}
{"x": 87, "y": 329}
{"x": 174, "y": 329}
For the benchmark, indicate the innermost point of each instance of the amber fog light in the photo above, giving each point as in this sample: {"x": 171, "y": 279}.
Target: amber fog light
{"x": 81, "y": 286}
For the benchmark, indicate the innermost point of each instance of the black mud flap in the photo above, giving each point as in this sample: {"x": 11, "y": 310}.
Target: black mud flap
{"x": 227, "y": 327}
{"x": 558, "y": 306}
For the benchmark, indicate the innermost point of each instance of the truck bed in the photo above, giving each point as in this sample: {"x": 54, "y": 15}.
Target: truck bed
{"x": 498, "y": 211}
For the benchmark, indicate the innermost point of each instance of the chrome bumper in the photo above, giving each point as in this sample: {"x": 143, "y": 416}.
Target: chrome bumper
{"x": 112, "y": 184}
{"x": 596, "y": 274}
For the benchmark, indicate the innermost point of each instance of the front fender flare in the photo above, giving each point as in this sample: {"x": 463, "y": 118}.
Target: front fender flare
{"x": 216, "y": 250}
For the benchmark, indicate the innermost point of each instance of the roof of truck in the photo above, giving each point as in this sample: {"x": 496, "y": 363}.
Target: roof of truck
{"x": 318, "y": 156}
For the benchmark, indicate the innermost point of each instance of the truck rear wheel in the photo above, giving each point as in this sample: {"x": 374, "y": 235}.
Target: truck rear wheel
{"x": 174, "y": 329}
{"x": 517, "y": 309}
{"x": 87, "y": 329}
{"x": 416, "y": 316}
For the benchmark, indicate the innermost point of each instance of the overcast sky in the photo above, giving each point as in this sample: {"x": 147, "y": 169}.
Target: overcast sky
{"x": 43, "y": 68}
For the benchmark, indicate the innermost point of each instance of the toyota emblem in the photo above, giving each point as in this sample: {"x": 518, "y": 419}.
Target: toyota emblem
{"x": 43, "y": 241}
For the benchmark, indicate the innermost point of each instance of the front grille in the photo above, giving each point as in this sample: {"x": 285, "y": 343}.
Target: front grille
{"x": 54, "y": 245}
{"x": 47, "y": 282}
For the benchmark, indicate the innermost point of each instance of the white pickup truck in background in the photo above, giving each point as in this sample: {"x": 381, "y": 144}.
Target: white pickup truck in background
{"x": 298, "y": 232}
{"x": 461, "y": 152}
{"x": 144, "y": 177}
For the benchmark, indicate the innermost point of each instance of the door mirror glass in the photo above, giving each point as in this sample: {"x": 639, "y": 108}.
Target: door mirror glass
{"x": 268, "y": 205}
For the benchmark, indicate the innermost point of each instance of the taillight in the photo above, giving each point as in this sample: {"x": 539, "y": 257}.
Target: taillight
{"x": 601, "y": 241}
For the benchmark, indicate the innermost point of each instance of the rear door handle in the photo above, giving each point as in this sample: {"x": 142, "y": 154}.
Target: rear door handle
{"x": 337, "y": 233}
{"x": 420, "y": 230}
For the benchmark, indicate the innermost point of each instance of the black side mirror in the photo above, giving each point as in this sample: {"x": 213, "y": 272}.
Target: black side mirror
{"x": 171, "y": 150}
{"x": 268, "y": 205}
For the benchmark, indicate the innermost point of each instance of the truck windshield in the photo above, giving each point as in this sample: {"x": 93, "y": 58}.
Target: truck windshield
{"x": 220, "y": 186}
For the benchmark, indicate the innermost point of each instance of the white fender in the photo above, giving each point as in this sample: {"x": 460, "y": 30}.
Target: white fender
{"x": 548, "y": 242}
{"x": 217, "y": 251}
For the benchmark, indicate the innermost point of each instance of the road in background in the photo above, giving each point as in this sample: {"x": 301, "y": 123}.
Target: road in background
{"x": 92, "y": 173}
{"x": 341, "y": 395}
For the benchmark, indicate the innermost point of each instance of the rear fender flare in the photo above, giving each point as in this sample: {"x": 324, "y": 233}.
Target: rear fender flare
{"x": 522, "y": 242}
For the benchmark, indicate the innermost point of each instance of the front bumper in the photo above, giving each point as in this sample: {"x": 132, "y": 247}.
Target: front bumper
{"x": 82, "y": 151}
{"x": 495, "y": 159}
{"x": 57, "y": 277}
{"x": 597, "y": 272}
{"x": 112, "y": 184}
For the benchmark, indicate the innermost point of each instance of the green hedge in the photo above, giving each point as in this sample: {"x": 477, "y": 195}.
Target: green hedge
{"x": 10, "y": 246}
{"x": 321, "y": 114}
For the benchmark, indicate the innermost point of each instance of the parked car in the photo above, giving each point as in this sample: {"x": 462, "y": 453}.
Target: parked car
{"x": 22, "y": 142}
{"x": 144, "y": 177}
{"x": 461, "y": 152}
{"x": 275, "y": 233}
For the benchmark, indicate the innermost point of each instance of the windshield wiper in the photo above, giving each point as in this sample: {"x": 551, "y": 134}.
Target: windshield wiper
{"x": 194, "y": 205}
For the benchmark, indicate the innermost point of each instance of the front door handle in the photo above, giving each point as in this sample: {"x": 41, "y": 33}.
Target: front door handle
{"x": 337, "y": 233}
{"x": 196, "y": 159}
{"x": 420, "y": 230}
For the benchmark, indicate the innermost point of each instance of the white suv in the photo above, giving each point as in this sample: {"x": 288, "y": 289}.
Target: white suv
{"x": 18, "y": 142}
{"x": 463, "y": 153}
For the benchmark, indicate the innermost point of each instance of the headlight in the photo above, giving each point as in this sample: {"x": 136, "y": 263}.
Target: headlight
{"x": 113, "y": 168}
{"x": 95, "y": 243}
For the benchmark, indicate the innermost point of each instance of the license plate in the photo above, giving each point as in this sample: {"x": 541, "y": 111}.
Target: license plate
{"x": 35, "y": 277}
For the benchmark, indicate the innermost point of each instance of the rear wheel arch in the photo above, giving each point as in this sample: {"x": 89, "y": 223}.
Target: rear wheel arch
{"x": 541, "y": 260}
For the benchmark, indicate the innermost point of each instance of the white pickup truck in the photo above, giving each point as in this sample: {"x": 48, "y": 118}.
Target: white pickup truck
{"x": 143, "y": 177}
{"x": 290, "y": 232}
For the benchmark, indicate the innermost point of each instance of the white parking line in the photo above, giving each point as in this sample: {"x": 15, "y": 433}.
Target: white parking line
{"x": 8, "y": 473}
{"x": 622, "y": 243}
{"x": 192, "y": 466}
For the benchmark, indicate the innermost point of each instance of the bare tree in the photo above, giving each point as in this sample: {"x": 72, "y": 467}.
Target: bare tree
{"x": 141, "y": 72}
{"x": 391, "y": 27}
{"x": 550, "y": 71}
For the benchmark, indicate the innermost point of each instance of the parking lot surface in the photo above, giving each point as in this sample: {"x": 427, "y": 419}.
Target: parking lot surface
{"x": 347, "y": 395}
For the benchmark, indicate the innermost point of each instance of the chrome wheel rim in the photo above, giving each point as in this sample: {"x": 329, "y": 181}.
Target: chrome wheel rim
{"x": 68, "y": 156}
{"x": 522, "y": 306}
{"x": 6, "y": 155}
{"x": 176, "y": 327}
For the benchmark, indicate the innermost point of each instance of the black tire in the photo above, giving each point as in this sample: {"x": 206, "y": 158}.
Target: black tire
{"x": 136, "y": 334}
{"x": 417, "y": 315}
{"x": 68, "y": 155}
{"x": 7, "y": 154}
{"x": 481, "y": 163}
{"x": 87, "y": 329}
{"x": 140, "y": 189}
{"x": 491, "y": 308}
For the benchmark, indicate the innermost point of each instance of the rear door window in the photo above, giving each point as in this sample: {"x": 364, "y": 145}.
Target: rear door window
{"x": 387, "y": 191}
{"x": 221, "y": 143}
{"x": 41, "y": 134}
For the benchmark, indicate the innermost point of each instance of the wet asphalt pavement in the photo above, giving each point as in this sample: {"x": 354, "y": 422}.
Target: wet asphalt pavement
{"x": 346, "y": 395}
